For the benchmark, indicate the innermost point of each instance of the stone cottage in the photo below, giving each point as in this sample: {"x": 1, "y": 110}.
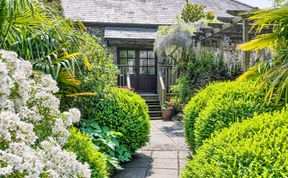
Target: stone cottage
{"x": 128, "y": 27}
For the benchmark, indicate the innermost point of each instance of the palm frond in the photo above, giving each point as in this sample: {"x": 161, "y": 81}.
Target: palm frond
{"x": 66, "y": 78}
{"x": 84, "y": 94}
{"x": 275, "y": 74}
{"x": 263, "y": 19}
{"x": 276, "y": 77}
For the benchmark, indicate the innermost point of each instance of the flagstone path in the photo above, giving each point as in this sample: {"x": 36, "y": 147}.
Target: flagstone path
{"x": 163, "y": 157}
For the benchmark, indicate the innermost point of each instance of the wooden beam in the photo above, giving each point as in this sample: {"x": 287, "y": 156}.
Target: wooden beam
{"x": 216, "y": 25}
{"x": 207, "y": 30}
{"x": 237, "y": 12}
{"x": 229, "y": 19}
{"x": 246, "y": 55}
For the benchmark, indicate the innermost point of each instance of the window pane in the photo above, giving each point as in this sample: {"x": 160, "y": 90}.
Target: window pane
{"x": 143, "y": 70}
{"x": 151, "y": 62}
{"x": 131, "y": 54}
{"x": 151, "y": 70}
{"x": 123, "y": 70}
{"x": 131, "y": 70}
{"x": 123, "y": 54}
{"x": 143, "y": 62}
{"x": 151, "y": 54}
{"x": 123, "y": 61}
{"x": 143, "y": 54}
{"x": 131, "y": 62}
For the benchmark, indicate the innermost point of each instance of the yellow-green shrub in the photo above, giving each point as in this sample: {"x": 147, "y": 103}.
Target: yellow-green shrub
{"x": 225, "y": 104}
{"x": 194, "y": 107}
{"x": 86, "y": 153}
{"x": 122, "y": 111}
{"x": 257, "y": 147}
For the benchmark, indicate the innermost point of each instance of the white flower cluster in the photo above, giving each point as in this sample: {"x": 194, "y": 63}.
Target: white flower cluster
{"x": 32, "y": 129}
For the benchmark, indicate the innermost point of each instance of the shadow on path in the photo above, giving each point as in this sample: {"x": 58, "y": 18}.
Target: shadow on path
{"x": 163, "y": 157}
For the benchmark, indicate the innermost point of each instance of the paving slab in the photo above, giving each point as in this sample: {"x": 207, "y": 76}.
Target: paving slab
{"x": 164, "y": 164}
{"x": 182, "y": 163}
{"x": 138, "y": 163}
{"x": 164, "y": 154}
{"x": 163, "y": 157}
{"x": 132, "y": 173}
{"x": 142, "y": 155}
{"x": 184, "y": 155}
{"x": 162, "y": 173}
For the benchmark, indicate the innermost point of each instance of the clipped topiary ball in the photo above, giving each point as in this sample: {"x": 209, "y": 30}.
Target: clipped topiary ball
{"x": 196, "y": 105}
{"x": 225, "y": 104}
{"x": 242, "y": 100}
{"x": 257, "y": 147}
{"x": 123, "y": 111}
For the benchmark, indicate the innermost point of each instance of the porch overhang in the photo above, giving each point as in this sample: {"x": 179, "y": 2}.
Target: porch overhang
{"x": 128, "y": 33}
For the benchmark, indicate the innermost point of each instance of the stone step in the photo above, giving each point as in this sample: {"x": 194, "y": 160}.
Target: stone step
{"x": 153, "y": 102}
{"x": 148, "y": 94}
{"x": 158, "y": 108}
{"x": 154, "y": 111}
{"x": 154, "y": 106}
{"x": 156, "y": 118}
{"x": 155, "y": 114}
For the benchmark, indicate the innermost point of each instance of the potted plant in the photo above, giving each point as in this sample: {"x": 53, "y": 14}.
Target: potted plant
{"x": 167, "y": 110}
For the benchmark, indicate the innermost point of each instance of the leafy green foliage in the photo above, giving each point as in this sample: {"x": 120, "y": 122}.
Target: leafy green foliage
{"x": 3, "y": 16}
{"x": 275, "y": 73}
{"x": 257, "y": 147}
{"x": 195, "y": 106}
{"x": 237, "y": 101}
{"x": 86, "y": 152}
{"x": 54, "y": 45}
{"x": 54, "y": 4}
{"x": 195, "y": 12}
{"x": 202, "y": 67}
{"x": 183, "y": 89}
{"x": 279, "y": 3}
{"x": 120, "y": 110}
{"x": 107, "y": 141}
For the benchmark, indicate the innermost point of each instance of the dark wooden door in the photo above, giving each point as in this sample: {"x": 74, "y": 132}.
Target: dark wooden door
{"x": 142, "y": 66}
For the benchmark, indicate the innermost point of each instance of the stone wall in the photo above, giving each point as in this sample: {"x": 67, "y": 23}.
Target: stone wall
{"x": 96, "y": 30}
{"x": 113, "y": 44}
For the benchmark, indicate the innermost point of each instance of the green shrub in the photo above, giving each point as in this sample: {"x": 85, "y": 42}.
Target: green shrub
{"x": 227, "y": 103}
{"x": 241, "y": 101}
{"x": 86, "y": 152}
{"x": 256, "y": 147}
{"x": 196, "y": 104}
{"x": 122, "y": 111}
{"x": 107, "y": 141}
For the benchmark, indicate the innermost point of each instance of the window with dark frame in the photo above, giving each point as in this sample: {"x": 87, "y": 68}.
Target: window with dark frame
{"x": 147, "y": 61}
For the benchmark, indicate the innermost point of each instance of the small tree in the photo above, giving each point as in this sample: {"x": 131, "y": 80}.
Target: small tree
{"x": 195, "y": 12}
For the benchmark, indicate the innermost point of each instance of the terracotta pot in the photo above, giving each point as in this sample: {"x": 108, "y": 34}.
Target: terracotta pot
{"x": 167, "y": 114}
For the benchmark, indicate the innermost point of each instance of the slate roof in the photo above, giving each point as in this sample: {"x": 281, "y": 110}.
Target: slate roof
{"x": 130, "y": 33}
{"x": 140, "y": 12}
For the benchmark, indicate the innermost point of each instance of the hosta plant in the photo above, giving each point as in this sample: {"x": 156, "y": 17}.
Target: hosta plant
{"x": 32, "y": 129}
{"x": 107, "y": 141}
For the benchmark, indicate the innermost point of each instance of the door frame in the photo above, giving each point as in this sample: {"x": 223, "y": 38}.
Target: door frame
{"x": 137, "y": 65}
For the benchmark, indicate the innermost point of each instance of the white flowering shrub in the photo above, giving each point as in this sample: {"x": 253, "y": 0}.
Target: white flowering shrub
{"x": 32, "y": 129}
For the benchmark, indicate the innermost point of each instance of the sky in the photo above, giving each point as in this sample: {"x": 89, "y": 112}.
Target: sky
{"x": 258, "y": 3}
